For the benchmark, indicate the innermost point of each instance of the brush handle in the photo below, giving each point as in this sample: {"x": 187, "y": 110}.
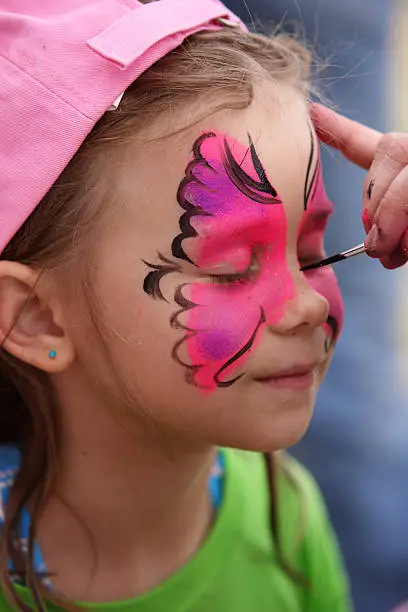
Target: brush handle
{"x": 328, "y": 261}
{"x": 357, "y": 250}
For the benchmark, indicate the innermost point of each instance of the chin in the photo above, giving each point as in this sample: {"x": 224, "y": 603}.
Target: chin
{"x": 270, "y": 431}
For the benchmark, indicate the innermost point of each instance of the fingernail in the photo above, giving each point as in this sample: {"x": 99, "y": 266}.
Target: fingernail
{"x": 372, "y": 238}
{"x": 404, "y": 243}
{"x": 365, "y": 217}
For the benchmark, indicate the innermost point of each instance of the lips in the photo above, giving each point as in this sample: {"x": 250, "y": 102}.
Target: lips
{"x": 295, "y": 370}
{"x": 300, "y": 376}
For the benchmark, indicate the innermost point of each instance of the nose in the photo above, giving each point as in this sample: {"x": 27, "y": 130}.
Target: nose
{"x": 307, "y": 309}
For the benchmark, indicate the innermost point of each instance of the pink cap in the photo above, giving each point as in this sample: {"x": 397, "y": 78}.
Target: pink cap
{"x": 63, "y": 63}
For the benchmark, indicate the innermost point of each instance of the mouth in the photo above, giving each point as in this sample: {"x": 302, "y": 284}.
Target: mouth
{"x": 299, "y": 377}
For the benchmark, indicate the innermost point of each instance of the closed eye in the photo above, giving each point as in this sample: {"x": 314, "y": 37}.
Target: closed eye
{"x": 248, "y": 275}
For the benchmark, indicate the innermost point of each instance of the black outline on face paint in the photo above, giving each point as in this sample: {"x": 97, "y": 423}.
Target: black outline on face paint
{"x": 151, "y": 283}
{"x": 259, "y": 191}
{"x": 313, "y": 183}
{"x": 240, "y": 353}
{"x": 185, "y": 305}
{"x": 251, "y": 188}
{"x": 334, "y": 325}
{"x": 331, "y": 321}
{"x": 187, "y": 230}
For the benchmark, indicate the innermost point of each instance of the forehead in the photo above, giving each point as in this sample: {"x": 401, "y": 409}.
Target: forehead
{"x": 278, "y": 124}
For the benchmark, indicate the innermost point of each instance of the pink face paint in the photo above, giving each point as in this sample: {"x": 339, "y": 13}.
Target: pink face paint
{"x": 323, "y": 280}
{"x": 365, "y": 217}
{"x": 234, "y": 221}
{"x": 234, "y": 229}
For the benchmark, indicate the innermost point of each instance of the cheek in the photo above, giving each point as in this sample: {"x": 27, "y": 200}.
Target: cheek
{"x": 324, "y": 281}
{"x": 224, "y": 322}
{"x": 221, "y": 319}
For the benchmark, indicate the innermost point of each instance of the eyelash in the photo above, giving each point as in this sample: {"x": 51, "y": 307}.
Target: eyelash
{"x": 247, "y": 276}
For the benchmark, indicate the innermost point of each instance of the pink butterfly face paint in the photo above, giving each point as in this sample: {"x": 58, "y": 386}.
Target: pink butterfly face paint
{"x": 241, "y": 230}
{"x": 233, "y": 230}
{"x": 310, "y": 248}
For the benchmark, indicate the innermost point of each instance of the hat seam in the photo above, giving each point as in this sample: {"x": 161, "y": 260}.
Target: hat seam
{"x": 55, "y": 95}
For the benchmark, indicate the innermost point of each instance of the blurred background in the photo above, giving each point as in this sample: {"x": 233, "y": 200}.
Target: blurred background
{"x": 357, "y": 446}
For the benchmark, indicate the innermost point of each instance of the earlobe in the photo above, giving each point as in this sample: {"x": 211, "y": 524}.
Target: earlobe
{"x": 31, "y": 322}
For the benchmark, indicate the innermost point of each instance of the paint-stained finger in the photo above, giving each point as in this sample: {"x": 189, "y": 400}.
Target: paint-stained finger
{"x": 390, "y": 221}
{"x": 355, "y": 141}
{"x": 404, "y": 244}
{"x": 390, "y": 158}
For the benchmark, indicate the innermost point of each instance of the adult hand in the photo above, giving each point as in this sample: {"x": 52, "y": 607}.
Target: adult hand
{"x": 385, "y": 198}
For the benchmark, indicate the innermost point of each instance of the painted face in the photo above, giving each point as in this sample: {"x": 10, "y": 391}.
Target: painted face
{"x": 310, "y": 248}
{"x": 216, "y": 214}
{"x": 234, "y": 231}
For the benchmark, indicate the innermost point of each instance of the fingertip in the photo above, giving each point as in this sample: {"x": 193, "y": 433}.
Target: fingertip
{"x": 394, "y": 261}
{"x": 322, "y": 118}
{"x": 371, "y": 240}
{"x": 404, "y": 244}
{"x": 320, "y": 111}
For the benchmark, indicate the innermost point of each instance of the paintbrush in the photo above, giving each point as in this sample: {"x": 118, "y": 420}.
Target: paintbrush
{"x": 357, "y": 250}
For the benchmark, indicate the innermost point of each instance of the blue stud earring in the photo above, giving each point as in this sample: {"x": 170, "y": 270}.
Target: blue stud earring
{"x": 52, "y": 354}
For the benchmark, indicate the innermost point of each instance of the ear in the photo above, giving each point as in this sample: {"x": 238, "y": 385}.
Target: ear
{"x": 31, "y": 321}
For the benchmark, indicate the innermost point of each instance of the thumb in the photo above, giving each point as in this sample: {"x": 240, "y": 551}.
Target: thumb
{"x": 354, "y": 140}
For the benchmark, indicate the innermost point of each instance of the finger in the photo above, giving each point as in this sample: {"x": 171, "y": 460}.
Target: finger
{"x": 390, "y": 220}
{"x": 354, "y": 140}
{"x": 390, "y": 159}
{"x": 396, "y": 260}
{"x": 404, "y": 244}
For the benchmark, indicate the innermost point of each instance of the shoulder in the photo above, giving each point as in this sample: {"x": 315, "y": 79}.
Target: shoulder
{"x": 298, "y": 495}
{"x": 305, "y": 536}
{"x": 306, "y": 526}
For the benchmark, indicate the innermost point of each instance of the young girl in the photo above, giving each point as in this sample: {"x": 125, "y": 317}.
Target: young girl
{"x": 153, "y": 317}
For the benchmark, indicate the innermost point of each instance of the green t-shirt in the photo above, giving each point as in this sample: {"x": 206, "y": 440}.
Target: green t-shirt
{"x": 235, "y": 569}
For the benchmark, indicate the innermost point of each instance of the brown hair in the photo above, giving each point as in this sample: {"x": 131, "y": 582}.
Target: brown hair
{"x": 225, "y": 63}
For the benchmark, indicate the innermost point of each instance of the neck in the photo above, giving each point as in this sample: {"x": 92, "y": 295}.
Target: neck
{"x": 129, "y": 508}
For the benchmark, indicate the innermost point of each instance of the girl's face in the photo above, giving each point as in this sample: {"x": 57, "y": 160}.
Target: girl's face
{"x": 210, "y": 327}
